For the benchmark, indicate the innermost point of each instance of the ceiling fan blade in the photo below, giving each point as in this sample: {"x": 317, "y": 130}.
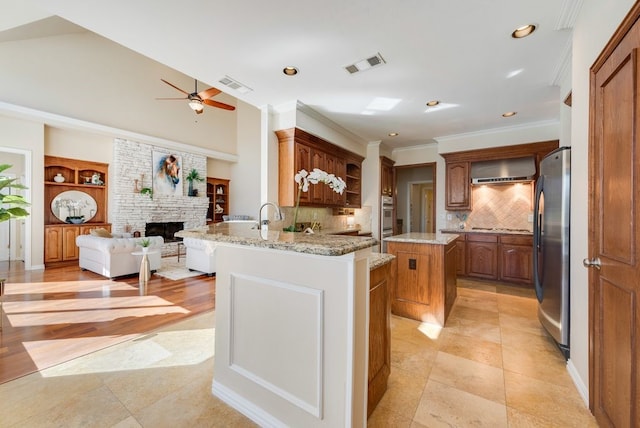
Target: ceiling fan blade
{"x": 209, "y": 93}
{"x": 184, "y": 98}
{"x": 218, "y": 104}
{"x": 175, "y": 87}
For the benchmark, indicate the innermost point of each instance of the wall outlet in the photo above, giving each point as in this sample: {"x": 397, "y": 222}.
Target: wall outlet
{"x": 530, "y": 218}
{"x": 449, "y": 217}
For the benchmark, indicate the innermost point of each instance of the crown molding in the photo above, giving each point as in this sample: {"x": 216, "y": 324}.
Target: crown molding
{"x": 525, "y": 126}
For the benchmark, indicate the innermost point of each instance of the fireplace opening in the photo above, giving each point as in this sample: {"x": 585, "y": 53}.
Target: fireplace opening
{"x": 165, "y": 229}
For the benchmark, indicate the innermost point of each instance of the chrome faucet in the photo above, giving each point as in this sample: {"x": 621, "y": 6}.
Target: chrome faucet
{"x": 277, "y": 216}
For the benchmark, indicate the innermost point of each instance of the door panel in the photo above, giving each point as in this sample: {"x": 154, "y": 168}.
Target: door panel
{"x": 614, "y": 230}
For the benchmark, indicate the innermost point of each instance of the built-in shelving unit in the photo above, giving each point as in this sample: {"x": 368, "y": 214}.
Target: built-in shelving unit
{"x": 218, "y": 194}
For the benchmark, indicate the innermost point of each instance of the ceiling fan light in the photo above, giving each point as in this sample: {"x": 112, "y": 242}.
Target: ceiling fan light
{"x": 196, "y": 105}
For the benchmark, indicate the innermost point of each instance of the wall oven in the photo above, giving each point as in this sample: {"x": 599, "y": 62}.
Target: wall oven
{"x": 386, "y": 221}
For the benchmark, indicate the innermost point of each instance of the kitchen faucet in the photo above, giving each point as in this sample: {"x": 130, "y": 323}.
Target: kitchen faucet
{"x": 277, "y": 216}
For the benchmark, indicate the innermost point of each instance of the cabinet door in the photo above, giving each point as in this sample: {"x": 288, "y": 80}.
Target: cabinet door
{"x": 379, "y": 334}
{"x": 302, "y": 161}
{"x": 69, "y": 248}
{"x": 516, "y": 263}
{"x": 317, "y": 191}
{"x": 340, "y": 170}
{"x": 458, "y": 183}
{"x": 482, "y": 256}
{"x": 53, "y": 244}
{"x": 461, "y": 256}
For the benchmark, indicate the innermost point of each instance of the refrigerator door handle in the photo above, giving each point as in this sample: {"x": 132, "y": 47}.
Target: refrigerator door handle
{"x": 537, "y": 238}
{"x": 594, "y": 263}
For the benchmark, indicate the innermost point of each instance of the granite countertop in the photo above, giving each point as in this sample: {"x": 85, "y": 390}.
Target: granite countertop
{"x": 424, "y": 238}
{"x": 377, "y": 260}
{"x": 497, "y": 231}
{"x": 244, "y": 234}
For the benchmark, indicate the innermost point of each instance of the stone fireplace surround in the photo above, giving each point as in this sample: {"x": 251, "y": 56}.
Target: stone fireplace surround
{"x": 131, "y": 211}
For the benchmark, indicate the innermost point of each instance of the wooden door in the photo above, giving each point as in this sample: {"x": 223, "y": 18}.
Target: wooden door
{"x": 614, "y": 217}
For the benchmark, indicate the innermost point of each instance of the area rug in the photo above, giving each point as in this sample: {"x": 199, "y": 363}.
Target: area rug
{"x": 173, "y": 269}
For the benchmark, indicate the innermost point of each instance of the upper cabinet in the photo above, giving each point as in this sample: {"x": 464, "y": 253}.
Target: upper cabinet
{"x": 457, "y": 190}
{"x": 458, "y": 168}
{"x": 298, "y": 150}
{"x": 386, "y": 176}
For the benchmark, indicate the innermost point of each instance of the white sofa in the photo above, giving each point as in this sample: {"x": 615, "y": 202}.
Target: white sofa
{"x": 111, "y": 257}
{"x": 201, "y": 255}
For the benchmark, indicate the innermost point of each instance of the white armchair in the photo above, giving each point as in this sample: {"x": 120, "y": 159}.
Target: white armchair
{"x": 111, "y": 257}
{"x": 201, "y": 255}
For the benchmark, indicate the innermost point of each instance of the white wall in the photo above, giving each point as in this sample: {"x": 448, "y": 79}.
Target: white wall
{"x": 594, "y": 27}
{"x": 27, "y": 138}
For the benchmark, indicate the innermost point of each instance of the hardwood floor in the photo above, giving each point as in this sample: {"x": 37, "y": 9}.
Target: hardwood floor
{"x": 55, "y": 315}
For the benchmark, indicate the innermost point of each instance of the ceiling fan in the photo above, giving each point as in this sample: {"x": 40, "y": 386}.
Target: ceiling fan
{"x": 197, "y": 100}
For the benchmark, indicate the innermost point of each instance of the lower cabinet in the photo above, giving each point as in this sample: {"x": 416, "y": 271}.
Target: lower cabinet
{"x": 379, "y": 333}
{"x": 482, "y": 256}
{"x": 499, "y": 257}
{"x": 516, "y": 259}
{"x": 60, "y": 241}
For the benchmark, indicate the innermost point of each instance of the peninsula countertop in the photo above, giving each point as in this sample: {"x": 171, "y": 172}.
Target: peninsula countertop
{"x": 245, "y": 234}
{"x": 424, "y": 238}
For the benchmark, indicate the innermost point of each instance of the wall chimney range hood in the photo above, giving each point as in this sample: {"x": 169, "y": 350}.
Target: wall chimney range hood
{"x": 500, "y": 171}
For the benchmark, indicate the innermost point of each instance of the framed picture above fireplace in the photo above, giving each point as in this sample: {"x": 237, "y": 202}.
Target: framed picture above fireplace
{"x": 167, "y": 174}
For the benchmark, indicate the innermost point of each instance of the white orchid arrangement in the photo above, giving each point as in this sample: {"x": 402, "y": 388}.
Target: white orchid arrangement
{"x": 304, "y": 179}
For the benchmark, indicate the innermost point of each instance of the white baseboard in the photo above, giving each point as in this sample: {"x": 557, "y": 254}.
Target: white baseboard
{"x": 247, "y": 408}
{"x": 583, "y": 390}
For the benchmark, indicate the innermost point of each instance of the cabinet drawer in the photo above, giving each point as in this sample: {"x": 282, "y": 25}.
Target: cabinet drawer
{"x": 516, "y": 240}
{"x": 482, "y": 237}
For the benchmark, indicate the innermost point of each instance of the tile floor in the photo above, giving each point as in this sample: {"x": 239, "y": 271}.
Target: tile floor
{"x": 492, "y": 366}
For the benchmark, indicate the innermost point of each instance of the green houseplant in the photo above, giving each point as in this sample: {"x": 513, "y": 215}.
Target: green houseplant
{"x": 11, "y": 206}
{"x": 193, "y": 175}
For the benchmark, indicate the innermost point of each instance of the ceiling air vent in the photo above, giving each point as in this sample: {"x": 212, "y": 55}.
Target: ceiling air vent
{"x": 365, "y": 64}
{"x": 235, "y": 85}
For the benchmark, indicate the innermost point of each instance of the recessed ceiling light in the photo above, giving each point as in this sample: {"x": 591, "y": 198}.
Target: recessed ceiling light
{"x": 393, "y": 134}
{"x": 433, "y": 103}
{"x": 290, "y": 70}
{"x": 509, "y": 114}
{"x": 523, "y": 31}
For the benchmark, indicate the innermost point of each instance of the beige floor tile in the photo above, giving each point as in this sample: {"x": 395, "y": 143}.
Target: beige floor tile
{"x": 95, "y": 408}
{"x": 27, "y": 397}
{"x": 444, "y": 406}
{"x": 477, "y": 302}
{"x": 469, "y": 284}
{"x": 403, "y": 392}
{"x": 383, "y": 417}
{"x": 527, "y": 291}
{"x": 527, "y": 341}
{"x": 548, "y": 366}
{"x": 522, "y": 323}
{"x": 470, "y": 376}
{"x": 523, "y": 420}
{"x": 130, "y": 422}
{"x": 550, "y": 402}
{"x": 473, "y": 314}
{"x": 471, "y": 348}
{"x": 518, "y": 306}
{"x": 476, "y": 329}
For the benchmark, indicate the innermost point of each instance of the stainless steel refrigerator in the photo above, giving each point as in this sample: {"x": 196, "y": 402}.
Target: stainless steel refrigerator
{"x": 551, "y": 245}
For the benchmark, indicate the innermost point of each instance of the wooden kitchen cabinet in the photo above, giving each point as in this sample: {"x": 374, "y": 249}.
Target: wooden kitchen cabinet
{"x": 298, "y": 150}
{"x": 386, "y": 176}
{"x": 482, "y": 255}
{"x": 425, "y": 286}
{"x": 516, "y": 259}
{"x": 380, "y": 284}
{"x": 458, "y": 186}
{"x": 461, "y": 255}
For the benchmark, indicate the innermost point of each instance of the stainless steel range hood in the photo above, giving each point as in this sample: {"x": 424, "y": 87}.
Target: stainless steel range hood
{"x": 516, "y": 170}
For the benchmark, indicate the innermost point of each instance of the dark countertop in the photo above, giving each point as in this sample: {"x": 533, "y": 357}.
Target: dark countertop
{"x": 244, "y": 234}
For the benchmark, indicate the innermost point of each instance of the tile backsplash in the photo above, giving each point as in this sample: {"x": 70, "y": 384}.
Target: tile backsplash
{"x": 500, "y": 206}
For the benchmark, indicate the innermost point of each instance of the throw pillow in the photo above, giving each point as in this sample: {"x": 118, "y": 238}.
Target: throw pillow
{"x": 101, "y": 232}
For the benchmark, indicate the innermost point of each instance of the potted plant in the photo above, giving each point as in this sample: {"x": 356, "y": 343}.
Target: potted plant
{"x": 193, "y": 175}
{"x": 14, "y": 203}
{"x": 145, "y": 243}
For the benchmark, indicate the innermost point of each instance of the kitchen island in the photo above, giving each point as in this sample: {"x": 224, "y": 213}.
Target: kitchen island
{"x": 425, "y": 286}
{"x": 291, "y": 325}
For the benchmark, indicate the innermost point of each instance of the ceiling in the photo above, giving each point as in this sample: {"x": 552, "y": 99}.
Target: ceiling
{"x": 460, "y": 53}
